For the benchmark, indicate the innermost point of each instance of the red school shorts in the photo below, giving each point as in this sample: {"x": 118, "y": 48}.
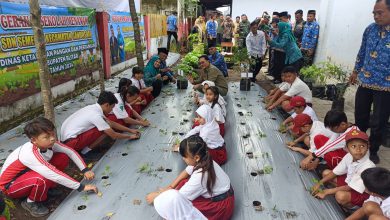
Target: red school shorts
{"x": 84, "y": 139}
{"x": 356, "y": 197}
{"x": 221, "y": 210}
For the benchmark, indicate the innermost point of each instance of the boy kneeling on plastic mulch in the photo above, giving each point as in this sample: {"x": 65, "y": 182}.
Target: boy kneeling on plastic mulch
{"x": 350, "y": 190}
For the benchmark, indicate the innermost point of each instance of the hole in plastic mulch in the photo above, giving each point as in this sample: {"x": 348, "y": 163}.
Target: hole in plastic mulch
{"x": 81, "y": 207}
{"x": 105, "y": 177}
{"x": 253, "y": 174}
{"x": 256, "y": 203}
{"x": 168, "y": 170}
{"x": 125, "y": 154}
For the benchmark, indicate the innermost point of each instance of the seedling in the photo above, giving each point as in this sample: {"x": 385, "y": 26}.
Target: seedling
{"x": 265, "y": 155}
{"x": 268, "y": 169}
{"x": 177, "y": 141}
{"x": 291, "y": 214}
{"x": 145, "y": 168}
{"x": 316, "y": 181}
{"x": 174, "y": 133}
{"x": 282, "y": 128}
{"x": 137, "y": 202}
{"x": 249, "y": 114}
{"x": 100, "y": 194}
{"x": 107, "y": 171}
{"x": 9, "y": 203}
{"x": 84, "y": 197}
{"x": 164, "y": 132}
{"x": 261, "y": 134}
{"x": 160, "y": 168}
{"x": 274, "y": 208}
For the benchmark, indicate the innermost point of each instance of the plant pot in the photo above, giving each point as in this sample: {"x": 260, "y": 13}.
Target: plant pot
{"x": 340, "y": 90}
{"x": 245, "y": 84}
{"x": 308, "y": 82}
{"x": 331, "y": 92}
{"x": 318, "y": 91}
{"x": 338, "y": 104}
{"x": 182, "y": 83}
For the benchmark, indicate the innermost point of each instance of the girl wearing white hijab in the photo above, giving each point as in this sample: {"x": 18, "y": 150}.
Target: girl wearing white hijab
{"x": 208, "y": 130}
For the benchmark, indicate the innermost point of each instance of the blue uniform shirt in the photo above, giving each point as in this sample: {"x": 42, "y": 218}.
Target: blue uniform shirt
{"x": 373, "y": 59}
{"x": 211, "y": 27}
{"x": 311, "y": 32}
{"x": 219, "y": 61}
{"x": 172, "y": 22}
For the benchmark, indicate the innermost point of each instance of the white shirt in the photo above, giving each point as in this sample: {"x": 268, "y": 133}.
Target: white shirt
{"x": 135, "y": 82}
{"x": 384, "y": 204}
{"x": 299, "y": 88}
{"x": 196, "y": 186}
{"x": 218, "y": 113}
{"x": 354, "y": 170}
{"x": 256, "y": 44}
{"x": 318, "y": 128}
{"x": 82, "y": 120}
{"x": 284, "y": 86}
{"x": 308, "y": 111}
{"x": 173, "y": 205}
{"x": 119, "y": 109}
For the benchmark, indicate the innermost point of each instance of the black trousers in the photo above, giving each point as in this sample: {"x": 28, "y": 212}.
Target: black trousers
{"x": 256, "y": 67}
{"x": 157, "y": 86}
{"x": 380, "y": 116}
{"x": 219, "y": 38}
{"x": 211, "y": 42}
{"x": 278, "y": 60}
{"x": 297, "y": 64}
{"x": 170, "y": 34}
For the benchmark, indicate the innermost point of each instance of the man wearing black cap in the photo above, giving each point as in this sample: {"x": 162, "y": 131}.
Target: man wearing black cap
{"x": 298, "y": 26}
{"x": 310, "y": 38}
{"x": 275, "y": 14}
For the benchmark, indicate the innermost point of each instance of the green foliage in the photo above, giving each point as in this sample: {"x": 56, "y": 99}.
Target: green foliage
{"x": 314, "y": 74}
{"x": 242, "y": 60}
{"x": 268, "y": 169}
{"x": 188, "y": 64}
{"x": 37, "y": 84}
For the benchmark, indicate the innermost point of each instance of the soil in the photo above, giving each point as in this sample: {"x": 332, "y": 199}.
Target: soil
{"x": 12, "y": 96}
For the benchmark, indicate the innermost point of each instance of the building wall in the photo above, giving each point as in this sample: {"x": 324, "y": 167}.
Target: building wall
{"x": 255, "y": 8}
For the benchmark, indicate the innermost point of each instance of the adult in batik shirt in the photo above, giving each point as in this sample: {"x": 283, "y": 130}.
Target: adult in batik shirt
{"x": 310, "y": 38}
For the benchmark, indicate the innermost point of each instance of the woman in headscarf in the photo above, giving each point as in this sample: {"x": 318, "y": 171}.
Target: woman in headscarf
{"x": 200, "y": 27}
{"x": 121, "y": 45}
{"x": 152, "y": 76}
{"x": 287, "y": 42}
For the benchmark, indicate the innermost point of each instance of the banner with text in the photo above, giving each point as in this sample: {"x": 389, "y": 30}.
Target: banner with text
{"x": 121, "y": 32}
{"x": 71, "y": 42}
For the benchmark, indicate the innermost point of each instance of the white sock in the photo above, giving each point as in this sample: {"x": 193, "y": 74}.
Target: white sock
{"x": 29, "y": 200}
{"x": 86, "y": 150}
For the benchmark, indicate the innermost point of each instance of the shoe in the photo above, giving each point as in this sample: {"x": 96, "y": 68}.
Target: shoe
{"x": 36, "y": 209}
{"x": 374, "y": 158}
{"x": 54, "y": 192}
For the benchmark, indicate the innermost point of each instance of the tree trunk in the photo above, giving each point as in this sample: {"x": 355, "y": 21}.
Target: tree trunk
{"x": 137, "y": 34}
{"x": 44, "y": 73}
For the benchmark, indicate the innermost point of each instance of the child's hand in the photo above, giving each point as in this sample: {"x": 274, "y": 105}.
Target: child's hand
{"x": 134, "y": 136}
{"x": 290, "y": 143}
{"x": 175, "y": 148}
{"x": 139, "y": 99}
{"x": 315, "y": 189}
{"x": 296, "y": 149}
{"x": 89, "y": 175}
{"x": 143, "y": 102}
{"x": 270, "y": 108}
{"x": 135, "y": 131}
{"x": 151, "y": 196}
{"x": 90, "y": 187}
{"x": 322, "y": 195}
{"x": 145, "y": 123}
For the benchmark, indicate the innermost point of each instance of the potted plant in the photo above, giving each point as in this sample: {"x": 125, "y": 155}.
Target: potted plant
{"x": 337, "y": 72}
{"x": 314, "y": 76}
{"x": 242, "y": 63}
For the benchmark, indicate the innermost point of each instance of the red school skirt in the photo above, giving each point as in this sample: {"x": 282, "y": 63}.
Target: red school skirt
{"x": 219, "y": 155}
{"x": 221, "y": 210}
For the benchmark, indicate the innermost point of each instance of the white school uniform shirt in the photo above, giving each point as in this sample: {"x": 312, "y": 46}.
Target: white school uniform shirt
{"x": 354, "y": 170}
{"x": 135, "y": 82}
{"x": 284, "y": 86}
{"x": 308, "y": 111}
{"x": 299, "y": 88}
{"x": 172, "y": 205}
{"x": 318, "y": 128}
{"x": 119, "y": 109}
{"x": 218, "y": 113}
{"x": 334, "y": 144}
{"x": 83, "y": 120}
{"x": 384, "y": 204}
{"x": 197, "y": 186}
{"x": 209, "y": 132}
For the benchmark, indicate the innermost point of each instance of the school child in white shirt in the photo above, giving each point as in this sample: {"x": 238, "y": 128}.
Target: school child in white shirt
{"x": 377, "y": 206}
{"x": 276, "y": 93}
{"x": 85, "y": 129}
{"x": 314, "y": 134}
{"x": 299, "y": 106}
{"x": 350, "y": 190}
{"x": 138, "y": 81}
{"x": 200, "y": 101}
{"x": 298, "y": 88}
{"x": 137, "y": 104}
{"x": 333, "y": 151}
{"x": 123, "y": 113}
{"x": 33, "y": 169}
{"x": 208, "y": 129}
{"x": 203, "y": 182}
{"x": 212, "y": 97}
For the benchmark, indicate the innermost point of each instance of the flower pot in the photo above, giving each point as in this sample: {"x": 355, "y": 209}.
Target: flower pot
{"x": 338, "y": 104}
{"x": 318, "y": 91}
{"x": 245, "y": 84}
{"x": 308, "y": 82}
{"x": 182, "y": 83}
{"x": 340, "y": 90}
{"x": 331, "y": 92}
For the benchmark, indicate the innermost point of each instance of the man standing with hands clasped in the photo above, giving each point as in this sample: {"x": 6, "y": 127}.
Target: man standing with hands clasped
{"x": 256, "y": 45}
{"x": 372, "y": 73}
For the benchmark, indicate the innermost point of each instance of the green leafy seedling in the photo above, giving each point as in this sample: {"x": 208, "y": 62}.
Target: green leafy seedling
{"x": 84, "y": 197}
{"x": 261, "y": 134}
{"x": 265, "y": 155}
{"x": 145, "y": 168}
{"x": 164, "y": 132}
{"x": 268, "y": 169}
{"x": 177, "y": 141}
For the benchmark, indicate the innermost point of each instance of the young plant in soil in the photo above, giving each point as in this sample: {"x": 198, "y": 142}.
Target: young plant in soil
{"x": 261, "y": 134}
{"x": 268, "y": 169}
{"x": 164, "y": 132}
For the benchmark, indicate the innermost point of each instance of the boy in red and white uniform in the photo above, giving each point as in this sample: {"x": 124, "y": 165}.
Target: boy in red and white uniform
{"x": 35, "y": 168}
{"x": 86, "y": 128}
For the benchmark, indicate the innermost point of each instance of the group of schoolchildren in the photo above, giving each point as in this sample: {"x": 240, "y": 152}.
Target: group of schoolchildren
{"x": 335, "y": 148}
{"x": 203, "y": 189}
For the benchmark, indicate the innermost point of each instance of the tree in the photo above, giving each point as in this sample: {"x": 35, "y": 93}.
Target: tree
{"x": 137, "y": 34}
{"x": 44, "y": 73}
